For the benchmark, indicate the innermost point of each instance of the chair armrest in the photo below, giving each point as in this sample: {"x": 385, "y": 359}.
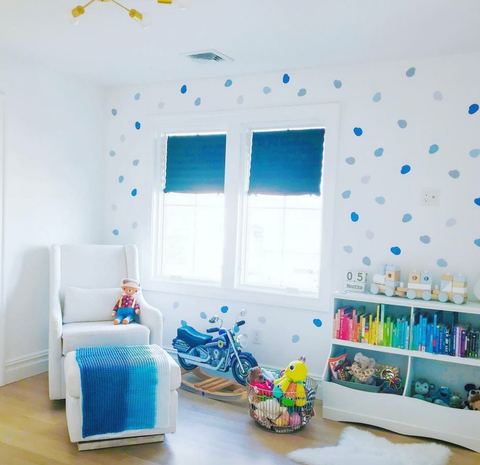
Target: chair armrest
{"x": 152, "y": 318}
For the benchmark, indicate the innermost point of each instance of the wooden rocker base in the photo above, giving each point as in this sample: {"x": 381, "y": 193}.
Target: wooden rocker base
{"x": 213, "y": 387}
{"x": 107, "y": 443}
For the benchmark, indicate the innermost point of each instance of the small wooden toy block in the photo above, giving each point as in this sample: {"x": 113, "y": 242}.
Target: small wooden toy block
{"x": 350, "y": 276}
{"x": 426, "y": 278}
{"x": 423, "y": 287}
{"x": 460, "y": 284}
{"x": 414, "y": 277}
{"x": 392, "y": 273}
{"x": 459, "y": 278}
{"x": 446, "y": 285}
{"x": 379, "y": 278}
{"x": 459, "y": 290}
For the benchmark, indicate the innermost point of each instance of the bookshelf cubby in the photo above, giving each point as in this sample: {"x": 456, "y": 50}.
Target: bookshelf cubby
{"x": 402, "y": 413}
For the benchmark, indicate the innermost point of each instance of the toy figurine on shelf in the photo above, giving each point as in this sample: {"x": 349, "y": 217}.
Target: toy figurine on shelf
{"x": 387, "y": 281}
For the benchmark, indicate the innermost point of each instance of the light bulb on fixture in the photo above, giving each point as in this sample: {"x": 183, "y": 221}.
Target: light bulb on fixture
{"x": 142, "y": 18}
{"x": 182, "y": 4}
{"x": 75, "y": 14}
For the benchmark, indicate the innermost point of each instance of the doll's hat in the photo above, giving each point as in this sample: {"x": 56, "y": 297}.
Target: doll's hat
{"x": 129, "y": 282}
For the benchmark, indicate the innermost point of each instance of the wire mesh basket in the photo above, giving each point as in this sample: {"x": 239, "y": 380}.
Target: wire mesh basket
{"x": 282, "y": 415}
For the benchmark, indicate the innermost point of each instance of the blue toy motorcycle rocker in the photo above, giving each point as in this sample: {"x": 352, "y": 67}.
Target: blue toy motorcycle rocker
{"x": 220, "y": 353}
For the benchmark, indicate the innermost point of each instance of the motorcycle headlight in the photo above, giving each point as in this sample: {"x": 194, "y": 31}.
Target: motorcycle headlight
{"x": 242, "y": 340}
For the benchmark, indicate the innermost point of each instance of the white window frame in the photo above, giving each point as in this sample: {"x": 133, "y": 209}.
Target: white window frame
{"x": 237, "y": 125}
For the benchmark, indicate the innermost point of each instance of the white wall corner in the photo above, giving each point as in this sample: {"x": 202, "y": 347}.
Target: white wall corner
{"x": 25, "y": 367}
{"x": 3, "y": 316}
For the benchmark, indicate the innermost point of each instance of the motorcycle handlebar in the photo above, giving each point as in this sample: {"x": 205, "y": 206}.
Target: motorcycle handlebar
{"x": 213, "y": 330}
{"x": 241, "y": 322}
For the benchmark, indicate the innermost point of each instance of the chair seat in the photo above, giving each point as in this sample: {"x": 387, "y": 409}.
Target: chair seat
{"x": 192, "y": 337}
{"x": 103, "y": 333}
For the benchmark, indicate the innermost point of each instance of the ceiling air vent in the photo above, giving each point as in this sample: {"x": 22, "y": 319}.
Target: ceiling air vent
{"x": 206, "y": 56}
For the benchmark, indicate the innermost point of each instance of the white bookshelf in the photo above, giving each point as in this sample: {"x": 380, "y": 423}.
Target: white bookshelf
{"x": 402, "y": 413}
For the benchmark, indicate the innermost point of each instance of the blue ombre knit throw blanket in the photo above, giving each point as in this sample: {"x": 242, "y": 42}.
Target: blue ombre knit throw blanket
{"x": 121, "y": 388}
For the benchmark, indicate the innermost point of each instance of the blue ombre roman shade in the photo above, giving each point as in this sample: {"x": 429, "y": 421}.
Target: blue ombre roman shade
{"x": 196, "y": 164}
{"x": 287, "y": 162}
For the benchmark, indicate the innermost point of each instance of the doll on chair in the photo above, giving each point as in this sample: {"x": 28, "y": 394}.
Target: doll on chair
{"x": 127, "y": 307}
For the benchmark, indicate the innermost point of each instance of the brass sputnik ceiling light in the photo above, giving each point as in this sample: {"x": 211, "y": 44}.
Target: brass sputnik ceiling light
{"x": 142, "y": 18}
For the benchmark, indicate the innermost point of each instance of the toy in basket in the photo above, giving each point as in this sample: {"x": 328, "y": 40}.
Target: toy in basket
{"x": 282, "y": 402}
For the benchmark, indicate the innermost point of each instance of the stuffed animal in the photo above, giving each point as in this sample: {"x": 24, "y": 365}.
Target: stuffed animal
{"x": 270, "y": 408}
{"x": 283, "y": 419}
{"x": 256, "y": 379}
{"x": 127, "y": 307}
{"x": 456, "y": 401}
{"x": 363, "y": 369}
{"x": 296, "y": 373}
{"x": 421, "y": 387}
{"x": 295, "y": 420}
{"x": 472, "y": 396}
{"x": 442, "y": 396}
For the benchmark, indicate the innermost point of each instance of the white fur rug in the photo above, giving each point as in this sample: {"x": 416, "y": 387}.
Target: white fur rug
{"x": 363, "y": 448}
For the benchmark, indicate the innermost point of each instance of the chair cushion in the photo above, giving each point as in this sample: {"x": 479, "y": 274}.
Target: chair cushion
{"x": 103, "y": 333}
{"x": 89, "y": 304}
{"x": 72, "y": 375}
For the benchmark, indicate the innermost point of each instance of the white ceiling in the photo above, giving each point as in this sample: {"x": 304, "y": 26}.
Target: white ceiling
{"x": 261, "y": 35}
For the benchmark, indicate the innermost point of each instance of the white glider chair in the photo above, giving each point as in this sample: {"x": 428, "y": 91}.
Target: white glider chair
{"x": 84, "y": 288}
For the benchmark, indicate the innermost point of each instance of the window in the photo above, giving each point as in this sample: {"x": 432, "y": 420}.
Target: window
{"x": 239, "y": 205}
{"x": 193, "y": 207}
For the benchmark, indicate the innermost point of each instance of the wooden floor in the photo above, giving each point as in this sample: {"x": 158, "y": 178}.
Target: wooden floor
{"x": 33, "y": 430}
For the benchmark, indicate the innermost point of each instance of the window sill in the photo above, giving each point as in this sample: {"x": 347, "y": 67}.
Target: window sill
{"x": 247, "y": 295}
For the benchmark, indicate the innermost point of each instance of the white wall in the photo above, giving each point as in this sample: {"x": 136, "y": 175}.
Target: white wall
{"x": 54, "y": 188}
{"x": 434, "y": 101}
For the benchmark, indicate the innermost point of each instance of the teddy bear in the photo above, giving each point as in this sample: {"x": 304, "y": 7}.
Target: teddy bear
{"x": 261, "y": 386}
{"x": 363, "y": 369}
{"x": 473, "y": 397}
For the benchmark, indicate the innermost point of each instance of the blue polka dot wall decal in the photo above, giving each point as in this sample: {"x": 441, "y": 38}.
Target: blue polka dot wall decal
{"x": 183, "y": 89}
{"x": 161, "y": 105}
{"x": 302, "y": 92}
{"x": 176, "y": 305}
{"x": 266, "y": 90}
{"x": 295, "y": 338}
{"x": 134, "y": 225}
{"x": 425, "y": 239}
{"x": 285, "y": 78}
{"x": 137, "y": 125}
{"x": 240, "y": 100}
{"x": 346, "y": 194}
{"x": 115, "y": 232}
{"x": 198, "y": 101}
{"x": 473, "y": 108}
{"x": 121, "y": 179}
{"x": 378, "y": 152}
{"x": 203, "y": 315}
{"x": 137, "y": 96}
{"x": 365, "y": 179}
{"x": 450, "y": 222}
{"x": 122, "y": 138}
{"x": 114, "y": 207}
{"x": 366, "y": 261}
{"x": 262, "y": 320}
{"x": 317, "y": 322}
{"x": 396, "y": 250}
{"x": 433, "y": 149}
{"x": 455, "y": 174}
{"x": 348, "y": 248}
{"x": 405, "y": 169}
{"x": 354, "y": 217}
{"x": 183, "y": 323}
{"x": 407, "y": 218}
{"x": 337, "y": 84}
{"x": 377, "y": 97}
{"x": 370, "y": 234}
{"x": 358, "y": 131}
{"x": 402, "y": 123}
{"x": 380, "y": 200}
{"x": 114, "y": 112}
{"x": 411, "y": 72}
{"x": 134, "y": 192}
{"x": 477, "y": 201}
{"x": 224, "y": 309}
{"x": 135, "y": 162}
{"x": 474, "y": 153}
{"x": 477, "y": 242}
{"x": 437, "y": 95}
{"x": 112, "y": 153}
{"x": 350, "y": 160}
{"x": 442, "y": 263}
{"x": 228, "y": 83}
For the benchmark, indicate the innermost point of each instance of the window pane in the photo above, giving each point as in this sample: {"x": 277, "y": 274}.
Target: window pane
{"x": 193, "y": 236}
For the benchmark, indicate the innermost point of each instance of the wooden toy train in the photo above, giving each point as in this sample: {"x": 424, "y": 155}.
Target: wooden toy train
{"x": 420, "y": 285}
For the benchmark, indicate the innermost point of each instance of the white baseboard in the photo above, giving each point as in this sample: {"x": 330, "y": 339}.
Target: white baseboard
{"x": 315, "y": 377}
{"x": 25, "y": 367}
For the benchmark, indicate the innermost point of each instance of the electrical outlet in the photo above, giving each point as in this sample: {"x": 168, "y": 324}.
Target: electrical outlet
{"x": 430, "y": 197}
{"x": 257, "y": 336}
